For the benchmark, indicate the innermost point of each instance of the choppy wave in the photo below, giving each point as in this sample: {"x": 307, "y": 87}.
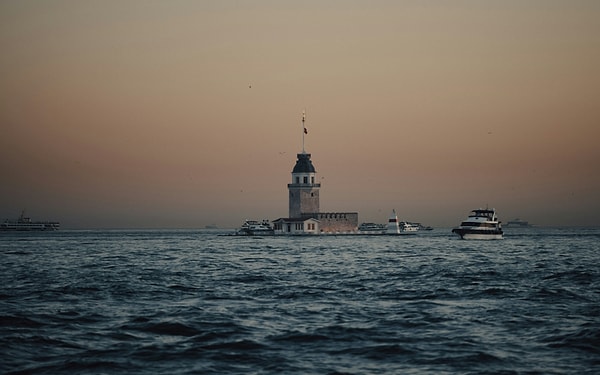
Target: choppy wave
{"x": 188, "y": 302}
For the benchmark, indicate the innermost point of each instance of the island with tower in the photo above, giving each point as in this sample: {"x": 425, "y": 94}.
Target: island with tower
{"x": 304, "y": 214}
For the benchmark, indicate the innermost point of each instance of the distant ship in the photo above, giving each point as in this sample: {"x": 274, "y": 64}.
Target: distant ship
{"x": 518, "y": 223}
{"x": 482, "y": 224}
{"x": 26, "y": 224}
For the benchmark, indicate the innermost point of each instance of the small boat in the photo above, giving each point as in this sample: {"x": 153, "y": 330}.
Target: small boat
{"x": 482, "y": 224}
{"x": 256, "y": 228}
{"x": 409, "y": 227}
{"x": 26, "y": 224}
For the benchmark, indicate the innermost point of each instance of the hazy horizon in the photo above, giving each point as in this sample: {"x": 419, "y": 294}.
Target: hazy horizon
{"x": 153, "y": 114}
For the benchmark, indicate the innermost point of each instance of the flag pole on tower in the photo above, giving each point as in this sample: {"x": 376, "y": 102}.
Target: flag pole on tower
{"x": 304, "y": 131}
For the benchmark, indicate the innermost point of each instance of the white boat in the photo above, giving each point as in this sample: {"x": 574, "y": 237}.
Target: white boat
{"x": 256, "y": 228}
{"x": 396, "y": 227}
{"x": 482, "y": 224}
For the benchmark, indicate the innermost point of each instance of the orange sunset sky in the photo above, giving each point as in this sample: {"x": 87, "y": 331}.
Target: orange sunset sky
{"x": 180, "y": 114}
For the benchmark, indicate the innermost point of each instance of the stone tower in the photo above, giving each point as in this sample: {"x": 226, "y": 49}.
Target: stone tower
{"x": 304, "y": 190}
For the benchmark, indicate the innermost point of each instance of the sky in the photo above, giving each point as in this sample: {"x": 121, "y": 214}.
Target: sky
{"x": 181, "y": 114}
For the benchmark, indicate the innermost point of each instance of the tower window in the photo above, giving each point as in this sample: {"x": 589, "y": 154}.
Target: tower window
{"x": 305, "y": 180}
{"x": 312, "y": 180}
{"x": 297, "y": 179}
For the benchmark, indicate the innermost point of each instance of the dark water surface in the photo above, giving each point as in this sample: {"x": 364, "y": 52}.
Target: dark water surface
{"x": 194, "y": 302}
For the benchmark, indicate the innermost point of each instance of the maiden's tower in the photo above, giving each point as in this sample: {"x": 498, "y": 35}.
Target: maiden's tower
{"x": 304, "y": 213}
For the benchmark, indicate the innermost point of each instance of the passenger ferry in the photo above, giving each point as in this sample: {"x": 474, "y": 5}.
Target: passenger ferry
{"x": 369, "y": 228}
{"x": 256, "y": 228}
{"x": 482, "y": 224}
{"x": 26, "y": 224}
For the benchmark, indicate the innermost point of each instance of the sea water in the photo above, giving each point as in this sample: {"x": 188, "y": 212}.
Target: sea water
{"x": 198, "y": 302}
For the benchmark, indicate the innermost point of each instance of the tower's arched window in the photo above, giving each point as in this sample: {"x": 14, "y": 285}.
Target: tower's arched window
{"x": 305, "y": 180}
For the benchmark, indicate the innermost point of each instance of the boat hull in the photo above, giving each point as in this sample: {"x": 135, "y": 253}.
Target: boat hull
{"x": 250, "y": 232}
{"x": 32, "y": 227}
{"x": 473, "y": 234}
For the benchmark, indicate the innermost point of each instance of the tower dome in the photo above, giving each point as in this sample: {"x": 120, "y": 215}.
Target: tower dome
{"x": 304, "y": 164}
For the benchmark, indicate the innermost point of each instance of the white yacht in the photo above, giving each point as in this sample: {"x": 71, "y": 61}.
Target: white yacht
{"x": 482, "y": 224}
